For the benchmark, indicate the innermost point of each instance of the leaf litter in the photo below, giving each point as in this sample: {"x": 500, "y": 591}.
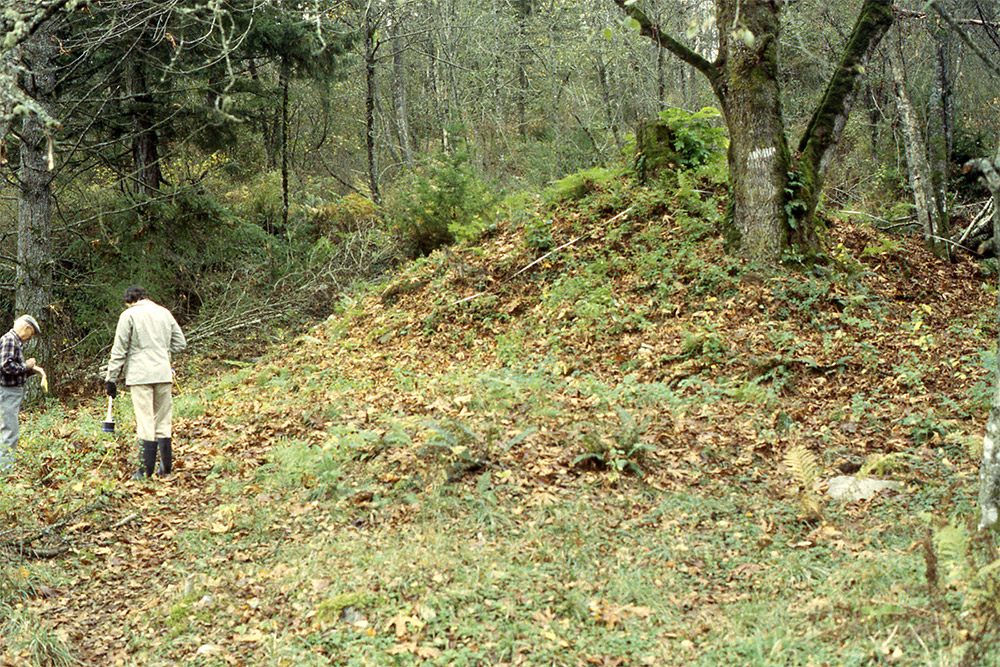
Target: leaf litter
{"x": 479, "y": 385}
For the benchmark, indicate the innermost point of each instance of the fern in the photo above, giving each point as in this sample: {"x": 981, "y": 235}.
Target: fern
{"x": 952, "y": 543}
{"x": 805, "y": 468}
{"x": 973, "y": 571}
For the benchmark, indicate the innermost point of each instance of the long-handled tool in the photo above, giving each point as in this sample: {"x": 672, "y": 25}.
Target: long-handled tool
{"x": 109, "y": 423}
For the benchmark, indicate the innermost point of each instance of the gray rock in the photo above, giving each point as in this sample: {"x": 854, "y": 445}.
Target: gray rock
{"x": 850, "y": 488}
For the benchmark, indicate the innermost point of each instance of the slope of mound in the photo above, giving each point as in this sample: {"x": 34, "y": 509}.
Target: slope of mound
{"x": 589, "y": 438}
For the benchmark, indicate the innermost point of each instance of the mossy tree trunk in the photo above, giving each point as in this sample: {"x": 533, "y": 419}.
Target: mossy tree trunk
{"x": 33, "y": 294}
{"x": 371, "y": 26}
{"x": 759, "y": 163}
{"x": 774, "y": 196}
{"x": 918, "y": 167}
{"x": 989, "y": 469}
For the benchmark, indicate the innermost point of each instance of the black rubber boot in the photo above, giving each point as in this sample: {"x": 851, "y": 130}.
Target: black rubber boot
{"x": 147, "y": 459}
{"x": 166, "y": 456}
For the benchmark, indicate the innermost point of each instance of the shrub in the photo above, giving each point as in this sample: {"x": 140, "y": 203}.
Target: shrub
{"x": 445, "y": 203}
{"x": 177, "y": 246}
{"x": 695, "y": 136}
{"x": 260, "y": 203}
{"x": 679, "y": 140}
{"x": 344, "y": 216}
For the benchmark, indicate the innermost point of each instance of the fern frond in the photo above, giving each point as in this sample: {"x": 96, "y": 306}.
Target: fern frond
{"x": 952, "y": 542}
{"x": 803, "y": 465}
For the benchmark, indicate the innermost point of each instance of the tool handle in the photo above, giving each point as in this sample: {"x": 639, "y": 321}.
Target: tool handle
{"x": 109, "y": 409}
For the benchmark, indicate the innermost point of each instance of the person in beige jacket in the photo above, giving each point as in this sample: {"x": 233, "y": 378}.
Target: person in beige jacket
{"x": 145, "y": 339}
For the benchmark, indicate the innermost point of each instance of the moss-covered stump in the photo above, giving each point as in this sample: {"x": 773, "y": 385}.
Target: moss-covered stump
{"x": 654, "y": 141}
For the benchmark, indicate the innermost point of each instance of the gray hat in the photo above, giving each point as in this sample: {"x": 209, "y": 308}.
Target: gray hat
{"x": 28, "y": 319}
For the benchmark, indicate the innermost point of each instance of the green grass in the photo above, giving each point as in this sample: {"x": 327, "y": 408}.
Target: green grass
{"x": 584, "y": 466}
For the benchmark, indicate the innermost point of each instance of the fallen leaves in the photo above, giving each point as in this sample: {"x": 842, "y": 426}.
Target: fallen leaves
{"x": 404, "y": 625}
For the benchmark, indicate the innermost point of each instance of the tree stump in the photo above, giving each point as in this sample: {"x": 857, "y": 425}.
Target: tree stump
{"x": 654, "y": 148}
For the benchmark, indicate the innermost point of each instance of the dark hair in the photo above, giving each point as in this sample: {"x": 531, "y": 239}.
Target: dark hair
{"x": 135, "y": 293}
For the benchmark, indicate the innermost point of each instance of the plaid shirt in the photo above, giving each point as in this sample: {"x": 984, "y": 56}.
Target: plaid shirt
{"x": 12, "y": 368}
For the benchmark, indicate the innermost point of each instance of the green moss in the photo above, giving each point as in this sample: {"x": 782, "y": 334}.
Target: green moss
{"x": 329, "y": 611}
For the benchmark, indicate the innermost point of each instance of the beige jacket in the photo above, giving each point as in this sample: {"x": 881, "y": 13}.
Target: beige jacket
{"x": 146, "y": 337}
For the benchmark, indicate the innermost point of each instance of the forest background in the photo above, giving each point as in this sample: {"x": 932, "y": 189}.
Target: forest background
{"x": 256, "y": 165}
{"x": 222, "y": 156}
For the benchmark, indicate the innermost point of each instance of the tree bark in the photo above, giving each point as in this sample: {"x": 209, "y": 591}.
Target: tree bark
{"x": 918, "y": 167}
{"x": 399, "y": 88}
{"x": 371, "y": 46}
{"x": 523, "y": 54}
{"x": 34, "y": 212}
{"x": 989, "y": 469}
{"x": 269, "y": 136}
{"x": 759, "y": 159}
{"x": 602, "y": 79}
{"x": 773, "y": 200}
{"x": 147, "y": 175}
{"x": 822, "y": 136}
{"x": 284, "y": 83}
{"x": 939, "y": 128}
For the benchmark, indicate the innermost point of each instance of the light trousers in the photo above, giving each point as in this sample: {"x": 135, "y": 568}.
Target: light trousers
{"x": 10, "y": 406}
{"x": 153, "y": 408}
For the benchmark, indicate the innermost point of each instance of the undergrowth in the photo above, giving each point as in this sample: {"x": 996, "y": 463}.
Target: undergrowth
{"x": 589, "y": 437}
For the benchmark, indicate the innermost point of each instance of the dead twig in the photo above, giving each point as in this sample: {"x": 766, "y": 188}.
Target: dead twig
{"x": 22, "y": 544}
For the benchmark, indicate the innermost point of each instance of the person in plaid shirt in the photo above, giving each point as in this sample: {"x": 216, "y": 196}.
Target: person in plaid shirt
{"x": 14, "y": 369}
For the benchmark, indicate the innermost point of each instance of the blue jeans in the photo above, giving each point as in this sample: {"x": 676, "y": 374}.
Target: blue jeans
{"x": 10, "y": 406}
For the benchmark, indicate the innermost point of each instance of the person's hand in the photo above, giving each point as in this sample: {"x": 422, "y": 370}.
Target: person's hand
{"x": 111, "y": 388}
{"x": 30, "y": 364}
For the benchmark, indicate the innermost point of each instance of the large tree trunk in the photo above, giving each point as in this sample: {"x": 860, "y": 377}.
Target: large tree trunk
{"x": 147, "y": 175}
{"x": 759, "y": 161}
{"x": 820, "y": 140}
{"x": 34, "y": 212}
{"x": 773, "y": 200}
{"x": 370, "y": 92}
{"x": 917, "y": 165}
{"x": 609, "y": 114}
{"x": 270, "y": 136}
{"x": 399, "y": 88}
{"x": 989, "y": 469}
{"x": 523, "y": 55}
{"x": 284, "y": 77}
{"x": 939, "y": 130}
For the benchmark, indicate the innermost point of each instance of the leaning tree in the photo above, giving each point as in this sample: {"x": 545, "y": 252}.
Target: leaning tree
{"x": 774, "y": 190}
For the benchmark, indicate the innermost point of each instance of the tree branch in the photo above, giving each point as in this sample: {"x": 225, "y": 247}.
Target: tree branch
{"x": 821, "y": 136}
{"x": 19, "y": 32}
{"x": 965, "y": 37}
{"x": 651, "y": 30}
{"x": 874, "y": 20}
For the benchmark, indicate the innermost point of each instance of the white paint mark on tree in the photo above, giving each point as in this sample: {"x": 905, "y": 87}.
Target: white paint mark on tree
{"x": 761, "y": 155}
